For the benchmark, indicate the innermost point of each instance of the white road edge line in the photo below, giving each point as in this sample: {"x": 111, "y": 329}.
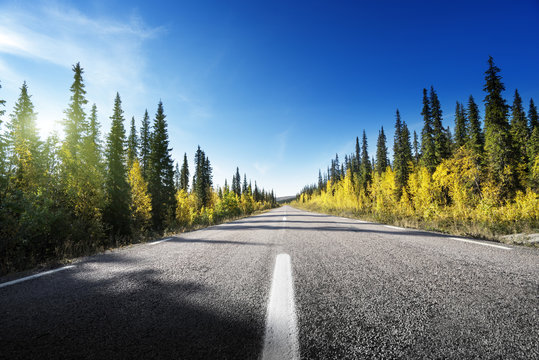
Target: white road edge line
{"x": 394, "y": 227}
{"x": 35, "y": 276}
{"x": 481, "y": 243}
{"x": 160, "y": 241}
{"x": 281, "y": 335}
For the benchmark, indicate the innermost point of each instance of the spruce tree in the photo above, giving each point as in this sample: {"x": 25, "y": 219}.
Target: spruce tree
{"x": 366, "y": 169}
{"x": 428, "y": 149}
{"x": 498, "y": 146}
{"x": 161, "y": 173}
{"x": 476, "y": 140}
{"x": 23, "y": 141}
{"x": 533, "y": 142}
{"x": 402, "y": 154}
{"x": 533, "y": 116}
{"x": 236, "y": 183}
{"x": 184, "y": 174}
{"x": 245, "y": 185}
{"x": 132, "y": 144}
{"x": 519, "y": 131}
{"x": 118, "y": 197}
{"x": 177, "y": 177}
{"x": 357, "y": 158}
{"x": 145, "y": 136}
{"x": 442, "y": 144}
{"x": 460, "y": 126}
{"x": 202, "y": 180}
{"x": 382, "y": 161}
{"x": 2, "y": 146}
{"x": 416, "y": 149}
{"x": 75, "y": 123}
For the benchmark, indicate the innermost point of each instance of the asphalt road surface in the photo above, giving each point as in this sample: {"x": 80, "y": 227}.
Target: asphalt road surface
{"x": 284, "y": 284}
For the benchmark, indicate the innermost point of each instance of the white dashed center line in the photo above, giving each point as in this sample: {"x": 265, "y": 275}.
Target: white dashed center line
{"x": 281, "y": 337}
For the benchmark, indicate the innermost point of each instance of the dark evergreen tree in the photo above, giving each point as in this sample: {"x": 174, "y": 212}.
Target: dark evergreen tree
{"x": 442, "y": 143}
{"x": 75, "y": 123}
{"x": 177, "y": 175}
{"x": 461, "y": 135}
{"x": 357, "y": 158}
{"x": 145, "y": 146}
{"x": 3, "y": 170}
{"x": 476, "y": 140}
{"x": 132, "y": 144}
{"x": 245, "y": 185}
{"x": 161, "y": 173}
{"x": 428, "y": 149}
{"x": 519, "y": 131}
{"x": 382, "y": 161}
{"x": 366, "y": 169}
{"x": 184, "y": 174}
{"x": 202, "y": 180}
{"x": 23, "y": 142}
{"x": 118, "y": 198}
{"x": 402, "y": 153}
{"x": 533, "y": 116}
{"x": 320, "y": 180}
{"x": 498, "y": 146}
{"x": 416, "y": 149}
{"x": 236, "y": 183}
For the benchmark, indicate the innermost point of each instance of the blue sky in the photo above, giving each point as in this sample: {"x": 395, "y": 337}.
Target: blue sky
{"x": 277, "y": 87}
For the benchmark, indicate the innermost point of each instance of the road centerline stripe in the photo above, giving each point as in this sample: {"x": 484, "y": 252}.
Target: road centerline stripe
{"x": 481, "y": 243}
{"x": 281, "y": 335}
{"x": 160, "y": 241}
{"x": 13, "y": 282}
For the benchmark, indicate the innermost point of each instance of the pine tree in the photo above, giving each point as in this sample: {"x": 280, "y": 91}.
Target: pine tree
{"x": 118, "y": 197}
{"x": 177, "y": 175}
{"x": 75, "y": 123}
{"x": 2, "y": 147}
{"x": 145, "y": 138}
{"x": 442, "y": 144}
{"x": 476, "y": 140}
{"x": 519, "y": 131}
{"x": 460, "y": 126}
{"x": 132, "y": 144}
{"x": 402, "y": 153}
{"x": 382, "y": 161}
{"x": 533, "y": 143}
{"x": 357, "y": 158}
{"x": 498, "y": 145}
{"x": 23, "y": 142}
{"x": 533, "y": 116}
{"x": 184, "y": 174}
{"x": 366, "y": 169}
{"x": 417, "y": 155}
{"x": 202, "y": 180}
{"x": 245, "y": 185}
{"x": 320, "y": 180}
{"x": 161, "y": 173}
{"x": 428, "y": 149}
{"x": 236, "y": 183}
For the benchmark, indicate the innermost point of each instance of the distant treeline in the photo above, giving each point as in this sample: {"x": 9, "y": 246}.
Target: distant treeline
{"x": 480, "y": 180}
{"x": 65, "y": 198}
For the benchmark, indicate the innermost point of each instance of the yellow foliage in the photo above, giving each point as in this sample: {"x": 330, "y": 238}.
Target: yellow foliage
{"x": 141, "y": 202}
{"x": 184, "y": 208}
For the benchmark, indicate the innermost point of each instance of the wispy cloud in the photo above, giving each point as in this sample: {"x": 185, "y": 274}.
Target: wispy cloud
{"x": 51, "y": 34}
{"x": 62, "y": 35}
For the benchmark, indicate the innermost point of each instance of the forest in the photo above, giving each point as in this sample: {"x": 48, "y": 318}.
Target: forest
{"x": 62, "y": 198}
{"x": 482, "y": 180}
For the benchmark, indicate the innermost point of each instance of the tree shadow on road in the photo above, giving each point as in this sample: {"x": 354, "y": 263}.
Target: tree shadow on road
{"x": 137, "y": 315}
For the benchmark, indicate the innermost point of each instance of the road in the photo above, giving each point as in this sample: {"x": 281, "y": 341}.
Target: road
{"x": 308, "y": 285}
